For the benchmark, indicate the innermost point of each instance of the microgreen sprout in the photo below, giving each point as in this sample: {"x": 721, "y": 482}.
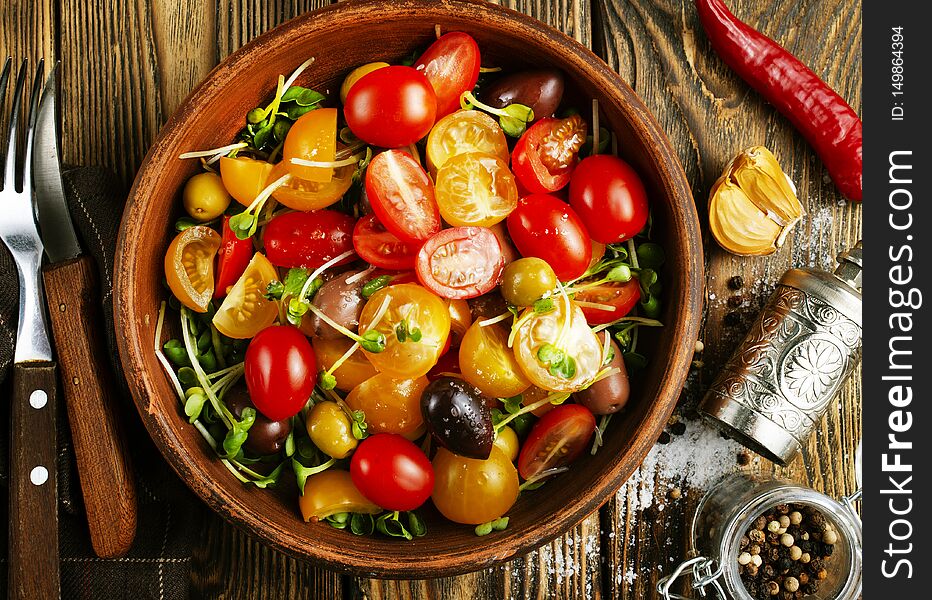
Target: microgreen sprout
{"x": 555, "y": 398}
{"x": 327, "y": 379}
{"x": 499, "y": 524}
{"x": 374, "y": 285}
{"x": 538, "y": 480}
{"x": 360, "y": 428}
{"x": 302, "y": 472}
{"x": 599, "y": 430}
{"x": 244, "y": 225}
{"x": 403, "y": 332}
{"x": 514, "y": 118}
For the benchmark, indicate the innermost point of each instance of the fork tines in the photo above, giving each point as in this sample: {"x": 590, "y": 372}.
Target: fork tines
{"x": 12, "y": 157}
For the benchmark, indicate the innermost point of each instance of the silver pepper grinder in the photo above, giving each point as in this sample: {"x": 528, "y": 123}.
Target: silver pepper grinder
{"x": 786, "y": 372}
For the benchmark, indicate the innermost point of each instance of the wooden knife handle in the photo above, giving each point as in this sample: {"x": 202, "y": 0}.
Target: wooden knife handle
{"x": 99, "y": 443}
{"x": 33, "y": 547}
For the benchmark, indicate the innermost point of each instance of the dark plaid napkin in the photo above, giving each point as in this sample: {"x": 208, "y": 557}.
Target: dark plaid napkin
{"x": 170, "y": 517}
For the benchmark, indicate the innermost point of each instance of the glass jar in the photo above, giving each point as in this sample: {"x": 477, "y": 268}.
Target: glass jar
{"x": 729, "y": 509}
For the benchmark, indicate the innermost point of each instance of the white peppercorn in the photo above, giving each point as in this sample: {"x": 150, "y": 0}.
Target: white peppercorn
{"x": 773, "y": 526}
{"x": 791, "y": 584}
{"x": 795, "y": 553}
{"x": 787, "y": 540}
{"x": 830, "y": 537}
{"x": 796, "y": 517}
{"x": 754, "y": 549}
{"x": 805, "y": 558}
{"x": 784, "y": 521}
{"x": 756, "y": 560}
{"x": 744, "y": 558}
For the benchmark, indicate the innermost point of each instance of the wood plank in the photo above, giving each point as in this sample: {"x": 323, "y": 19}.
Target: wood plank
{"x": 28, "y": 31}
{"x": 659, "y": 47}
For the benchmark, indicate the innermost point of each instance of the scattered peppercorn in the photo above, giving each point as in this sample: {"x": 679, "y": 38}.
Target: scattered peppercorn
{"x": 736, "y": 282}
{"x": 744, "y": 459}
{"x": 678, "y": 428}
{"x": 676, "y": 493}
{"x": 785, "y": 553}
{"x": 664, "y": 438}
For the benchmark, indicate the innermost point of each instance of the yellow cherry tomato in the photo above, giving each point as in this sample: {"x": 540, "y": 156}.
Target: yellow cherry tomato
{"x": 304, "y": 195}
{"x": 507, "y": 442}
{"x": 189, "y": 266}
{"x": 245, "y": 311}
{"x": 244, "y": 177}
{"x": 463, "y": 132}
{"x": 357, "y": 74}
{"x": 312, "y": 137}
{"x": 331, "y": 430}
{"x": 475, "y": 189}
{"x": 204, "y": 197}
{"x": 543, "y": 338}
{"x": 488, "y": 363}
{"x": 420, "y": 313}
{"x": 331, "y": 492}
{"x": 473, "y": 491}
{"x": 354, "y": 369}
{"x": 391, "y": 405}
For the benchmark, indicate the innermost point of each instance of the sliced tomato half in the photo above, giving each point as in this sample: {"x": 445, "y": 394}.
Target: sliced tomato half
{"x": 381, "y": 248}
{"x": 461, "y": 262}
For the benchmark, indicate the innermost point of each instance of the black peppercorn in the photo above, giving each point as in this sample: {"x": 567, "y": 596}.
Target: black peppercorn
{"x": 678, "y": 428}
{"x": 735, "y": 301}
{"x": 736, "y": 282}
{"x": 804, "y": 545}
{"x": 664, "y": 438}
{"x": 784, "y": 565}
{"x": 827, "y": 550}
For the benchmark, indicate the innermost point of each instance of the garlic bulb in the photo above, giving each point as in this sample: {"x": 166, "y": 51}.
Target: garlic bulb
{"x": 753, "y": 206}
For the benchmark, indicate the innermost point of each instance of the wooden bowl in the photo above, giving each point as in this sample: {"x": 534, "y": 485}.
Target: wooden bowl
{"x": 341, "y": 37}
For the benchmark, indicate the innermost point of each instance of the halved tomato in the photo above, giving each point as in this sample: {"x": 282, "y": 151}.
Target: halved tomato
{"x": 304, "y": 195}
{"x": 381, "y": 248}
{"x": 463, "y": 132}
{"x": 557, "y": 439}
{"x": 232, "y": 259}
{"x": 244, "y": 177}
{"x": 475, "y": 189}
{"x": 402, "y": 196}
{"x": 189, "y": 266}
{"x": 620, "y": 296}
{"x": 547, "y": 153}
{"x": 461, "y": 263}
{"x": 245, "y": 311}
{"x": 451, "y": 64}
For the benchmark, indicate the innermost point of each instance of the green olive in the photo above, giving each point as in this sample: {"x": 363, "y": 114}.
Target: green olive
{"x": 204, "y": 197}
{"x": 526, "y": 280}
{"x": 331, "y": 430}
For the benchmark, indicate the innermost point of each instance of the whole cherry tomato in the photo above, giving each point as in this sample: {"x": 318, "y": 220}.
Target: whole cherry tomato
{"x": 452, "y": 65}
{"x": 308, "y": 240}
{"x": 381, "y": 248}
{"x": 232, "y": 259}
{"x": 609, "y": 197}
{"x": 544, "y": 227}
{"x": 620, "y": 296}
{"x": 461, "y": 262}
{"x": 391, "y": 107}
{"x": 547, "y": 153}
{"x": 280, "y": 371}
{"x": 556, "y": 439}
{"x": 402, "y": 196}
{"x": 392, "y": 472}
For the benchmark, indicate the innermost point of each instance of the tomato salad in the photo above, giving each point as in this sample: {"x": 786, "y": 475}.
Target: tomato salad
{"x": 429, "y": 289}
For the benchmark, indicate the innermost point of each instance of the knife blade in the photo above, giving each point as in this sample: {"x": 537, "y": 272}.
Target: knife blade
{"x": 73, "y": 296}
{"x": 55, "y": 224}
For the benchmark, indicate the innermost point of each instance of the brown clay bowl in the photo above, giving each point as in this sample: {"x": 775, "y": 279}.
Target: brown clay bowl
{"x": 341, "y": 37}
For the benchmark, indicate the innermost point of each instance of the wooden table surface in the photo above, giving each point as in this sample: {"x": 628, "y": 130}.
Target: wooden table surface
{"x": 127, "y": 64}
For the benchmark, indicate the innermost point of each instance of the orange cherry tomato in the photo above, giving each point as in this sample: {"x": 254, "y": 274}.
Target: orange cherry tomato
{"x": 312, "y": 137}
{"x": 463, "y": 132}
{"x": 352, "y": 372}
{"x": 244, "y": 177}
{"x": 391, "y": 405}
{"x": 304, "y": 195}
{"x": 331, "y": 492}
{"x": 189, "y": 266}
{"x": 475, "y": 189}
{"x": 245, "y": 311}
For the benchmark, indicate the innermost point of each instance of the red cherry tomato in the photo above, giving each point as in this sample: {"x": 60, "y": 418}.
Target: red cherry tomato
{"x": 392, "y": 472}
{"x": 609, "y": 197}
{"x": 452, "y": 65}
{"x": 556, "y": 440}
{"x": 391, "y": 107}
{"x": 402, "y": 196}
{"x": 621, "y": 296}
{"x": 461, "y": 262}
{"x": 381, "y": 248}
{"x": 308, "y": 240}
{"x": 544, "y": 227}
{"x": 544, "y": 158}
{"x": 280, "y": 371}
{"x": 232, "y": 259}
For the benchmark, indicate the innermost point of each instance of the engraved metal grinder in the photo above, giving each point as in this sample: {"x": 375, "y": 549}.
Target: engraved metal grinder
{"x": 785, "y": 374}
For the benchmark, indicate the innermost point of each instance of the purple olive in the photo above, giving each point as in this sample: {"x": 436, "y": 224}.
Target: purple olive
{"x": 541, "y": 89}
{"x": 458, "y": 417}
{"x": 342, "y": 302}
{"x": 608, "y": 395}
{"x": 265, "y": 436}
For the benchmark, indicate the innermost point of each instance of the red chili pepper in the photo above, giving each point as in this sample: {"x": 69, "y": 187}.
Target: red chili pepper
{"x": 232, "y": 259}
{"x": 830, "y": 126}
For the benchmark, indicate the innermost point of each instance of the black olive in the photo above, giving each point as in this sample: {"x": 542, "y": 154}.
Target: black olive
{"x": 608, "y": 395}
{"x": 541, "y": 89}
{"x": 458, "y": 417}
{"x": 265, "y": 436}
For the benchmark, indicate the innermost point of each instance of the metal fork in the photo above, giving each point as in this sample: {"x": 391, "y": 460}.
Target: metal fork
{"x": 33, "y": 533}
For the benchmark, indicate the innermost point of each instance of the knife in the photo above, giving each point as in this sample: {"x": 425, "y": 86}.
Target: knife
{"x": 72, "y": 294}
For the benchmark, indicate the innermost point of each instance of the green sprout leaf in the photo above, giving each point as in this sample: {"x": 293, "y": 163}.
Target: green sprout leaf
{"x": 175, "y": 352}
{"x": 244, "y": 225}
{"x": 620, "y": 274}
{"x": 500, "y": 524}
{"x": 401, "y": 331}
{"x": 374, "y": 285}
{"x": 326, "y": 381}
{"x": 360, "y": 428}
{"x": 373, "y": 341}
{"x": 416, "y": 525}
{"x": 302, "y": 96}
{"x": 194, "y": 403}
{"x": 651, "y": 256}
{"x": 483, "y": 529}
{"x": 634, "y": 361}
{"x": 361, "y": 524}
{"x": 544, "y": 305}
{"x": 274, "y": 291}
{"x": 184, "y": 223}
{"x": 390, "y": 525}
{"x": 513, "y": 404}
{"x": 187, "y": 377}
{"x": 515, "y": 120}
{"x": 338, "y": 520}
